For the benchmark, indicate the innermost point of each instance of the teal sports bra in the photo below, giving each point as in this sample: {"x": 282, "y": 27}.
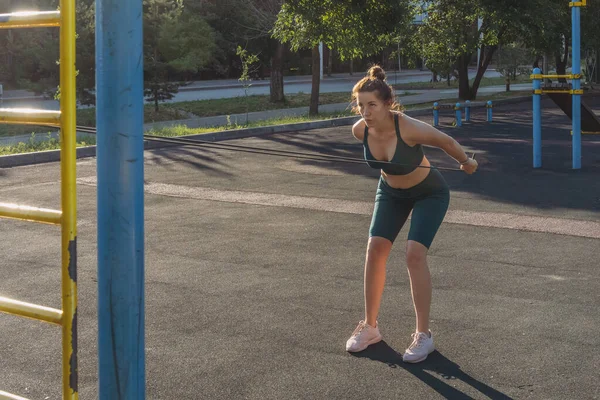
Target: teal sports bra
{"x": 404, "y": 154}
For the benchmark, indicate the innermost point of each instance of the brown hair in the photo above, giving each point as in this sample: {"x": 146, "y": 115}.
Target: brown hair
{"x": 375, "y": 82}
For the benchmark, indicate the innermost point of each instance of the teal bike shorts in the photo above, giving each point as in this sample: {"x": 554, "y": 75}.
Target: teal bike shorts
{"x": 427, "y": 200}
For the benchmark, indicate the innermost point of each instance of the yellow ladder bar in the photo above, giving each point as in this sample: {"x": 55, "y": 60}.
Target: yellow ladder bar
{"x": 29, "y": 116}
{"x": 67, "y": 217}
{"x": 32, "y": 311}
{"x": 8, "y": 396}
{"x": 68, "y": 157}
{"x": 30, "y": 19}
{"x": 32, "y": 214}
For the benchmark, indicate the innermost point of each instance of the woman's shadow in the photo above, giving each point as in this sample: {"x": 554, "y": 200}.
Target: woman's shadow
{"x": 437, "y": 363}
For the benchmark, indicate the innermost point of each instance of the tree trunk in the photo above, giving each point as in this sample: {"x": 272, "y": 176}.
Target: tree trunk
{"x": 596, "y": 75}
{"x": 434, "y": 76}
{"x": 464, "y": 91}
{"x": 316, "y": 81}
{"x": 485, "y": 62}
{"x": 561, "y": 67}
{"x": 561, "y": 62}
{"x": 277, "y": 95}
{"x": 12, "y": 66}
{"x": 156, "y": 79}
{"x": 330, "y": 62}
{"x": 351, "y": 67}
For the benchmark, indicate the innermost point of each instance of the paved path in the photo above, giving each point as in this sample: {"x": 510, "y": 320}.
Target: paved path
{"x": 228, "y": 88}
{"x": 254, "y": 270}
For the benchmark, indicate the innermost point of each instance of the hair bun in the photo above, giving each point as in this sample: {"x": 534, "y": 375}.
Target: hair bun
{"x": 376, "y": 72}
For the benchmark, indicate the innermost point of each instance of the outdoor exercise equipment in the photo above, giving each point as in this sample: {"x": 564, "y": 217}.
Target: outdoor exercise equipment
{"x": 566, "y": 96}
{"x": 458, "y": 112}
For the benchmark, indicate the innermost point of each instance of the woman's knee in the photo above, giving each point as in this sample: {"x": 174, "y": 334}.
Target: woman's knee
{"x": 378, "y": 248}
{"x": 416, "y": 254}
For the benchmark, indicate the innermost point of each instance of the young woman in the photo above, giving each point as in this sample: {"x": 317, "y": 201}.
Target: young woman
{"x": 391, "y": 136}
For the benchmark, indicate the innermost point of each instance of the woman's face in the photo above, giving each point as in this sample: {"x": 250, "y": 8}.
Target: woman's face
{"x": 371, "y": 108}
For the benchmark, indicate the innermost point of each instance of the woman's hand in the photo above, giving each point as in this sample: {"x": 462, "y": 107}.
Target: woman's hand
{"x": 470, "y": 166}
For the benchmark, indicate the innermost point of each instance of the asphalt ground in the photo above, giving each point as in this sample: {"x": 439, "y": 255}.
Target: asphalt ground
{"x": 254, "y": 273}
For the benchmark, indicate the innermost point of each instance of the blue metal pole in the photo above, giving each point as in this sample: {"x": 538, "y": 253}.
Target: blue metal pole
{"x": 467, "y": 111}
{"x": 458, "y": 115}
{"x": 120, "y": 170}
{"x": 489, "y": 107}
{"x": 436, "y": 114}
{"x": 537, "y": 121}
{"x": 576, "y": 69}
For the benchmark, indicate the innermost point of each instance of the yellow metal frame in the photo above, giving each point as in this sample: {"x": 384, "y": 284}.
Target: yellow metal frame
{"x": 32, "y": 214}
{"x": 582, "y": 3}
{"x": 67, "y": 217}
{"x": 26, "y": 116}
{"x": 8, "y": 396}
{"x": 541, "y": 76}
{"x": 33, "y": 19}
{"x": 569, "y": 91}
{"x": 587, "y": 133}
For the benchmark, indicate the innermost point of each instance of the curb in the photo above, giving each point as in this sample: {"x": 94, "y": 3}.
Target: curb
{"x": 40, "y": 157}
{"x": 18, "y": 160}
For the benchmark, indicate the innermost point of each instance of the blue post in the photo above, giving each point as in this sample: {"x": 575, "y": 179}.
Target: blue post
{"x": 489, "y": 107}
{"x": 467, "y": 111}
{"x": 120, "y": 170}
{"x": 537, "y": 121}
{"x": 458, "y": 115}
{"x": 576, "y": 69}
{"x": 436, "y": 114}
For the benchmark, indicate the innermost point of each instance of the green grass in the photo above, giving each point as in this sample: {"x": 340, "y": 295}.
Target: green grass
{"x": 504, "y": 95}
{"x": 182, "y": 130}
{"x": 87, "y": 117}
{"x": 210, "y": 108}
{"x": 50, "y": 144}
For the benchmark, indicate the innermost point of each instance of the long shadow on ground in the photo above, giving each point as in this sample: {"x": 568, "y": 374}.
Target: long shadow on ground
{"x": 436, "y": 363}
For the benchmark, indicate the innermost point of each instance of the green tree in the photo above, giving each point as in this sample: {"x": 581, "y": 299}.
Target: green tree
{"x": 231, "y": 24}
{"x": 248, "y": 60}
{"x": 29, "y": 56}
{"x": 263, "y": 15}
{"x": 590, "y": 41}
{"x": 550, "y": 33}
{"x": 86, "y": 51}
{"x": 513, "y": 60}
{"x": 173, "y": 41}
{"x": 452, "y": 30}
{"x": 355, "y": 28}
{"x": 249, "y": 22}
{"x": 157, "y": 15}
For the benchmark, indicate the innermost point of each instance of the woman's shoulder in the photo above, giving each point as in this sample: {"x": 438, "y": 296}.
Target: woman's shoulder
{"x": 410, "y": 129}
{"x": 358, "y": 129}
{"x": 408, "y": 123}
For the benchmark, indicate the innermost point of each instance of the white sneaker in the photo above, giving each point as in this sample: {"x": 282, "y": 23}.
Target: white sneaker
{"x": 363, "y": 336}
{"x": 420, "y": 348}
